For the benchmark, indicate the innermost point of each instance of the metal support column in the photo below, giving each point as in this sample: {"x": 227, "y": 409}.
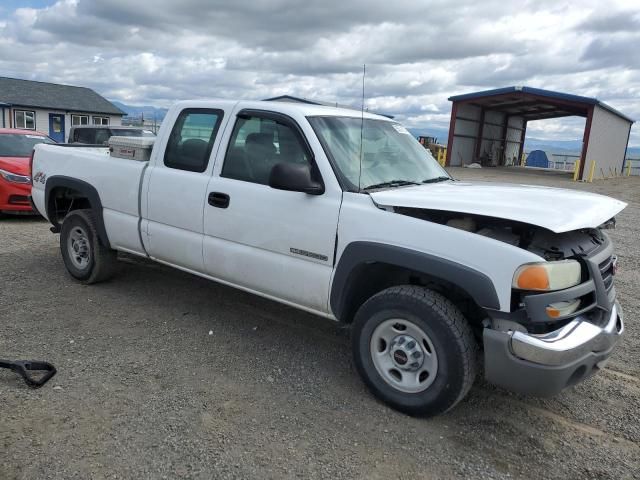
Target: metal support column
{"x": 452, "y": 128}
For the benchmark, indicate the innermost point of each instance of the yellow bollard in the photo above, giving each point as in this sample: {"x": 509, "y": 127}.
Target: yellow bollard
{"x": 523, "y": 160}
{"x": 444, "y": 156}
{"x": 593, "y": 167}
{"x": 628, "y": 169}
{"x": 576, "y": 170}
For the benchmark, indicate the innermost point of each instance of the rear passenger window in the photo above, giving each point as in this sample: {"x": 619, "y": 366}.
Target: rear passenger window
{"x": 192, "y": 139}
{"x": 257, "y": 144}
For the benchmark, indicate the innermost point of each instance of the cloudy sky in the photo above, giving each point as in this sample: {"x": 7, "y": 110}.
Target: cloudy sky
{"x": 418, "y": 53}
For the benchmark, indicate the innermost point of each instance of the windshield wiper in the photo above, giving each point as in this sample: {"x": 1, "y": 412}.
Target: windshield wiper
{"x": 437, "y": 179}
{"x": 390, "y": 183}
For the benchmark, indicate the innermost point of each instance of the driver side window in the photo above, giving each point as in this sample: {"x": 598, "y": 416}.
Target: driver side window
{"x": 257, "y": 145}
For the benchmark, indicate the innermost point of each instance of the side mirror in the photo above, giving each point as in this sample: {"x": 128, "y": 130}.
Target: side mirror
{"x": 294, "y": 177}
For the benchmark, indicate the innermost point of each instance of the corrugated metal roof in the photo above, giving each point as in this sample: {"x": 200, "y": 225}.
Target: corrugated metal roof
{"x": 28, "y": 93}
{"x": 567, "y": 97}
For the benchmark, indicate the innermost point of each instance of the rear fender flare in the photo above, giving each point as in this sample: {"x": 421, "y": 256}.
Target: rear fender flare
{"x": 85, "y": 189}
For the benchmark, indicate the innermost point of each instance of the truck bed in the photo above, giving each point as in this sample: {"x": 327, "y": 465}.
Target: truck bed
{"x": 116, "y": 180}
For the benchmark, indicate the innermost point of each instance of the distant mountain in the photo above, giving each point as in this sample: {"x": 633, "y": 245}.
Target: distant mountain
{"x": 633, "y": 152}
{"x": 563, "y": 146}
{"x": 567, "y": 147}
{"x": 135, "y": 111}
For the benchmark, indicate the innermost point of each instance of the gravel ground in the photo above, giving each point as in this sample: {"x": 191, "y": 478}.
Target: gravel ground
{"x": 144, "y": 390}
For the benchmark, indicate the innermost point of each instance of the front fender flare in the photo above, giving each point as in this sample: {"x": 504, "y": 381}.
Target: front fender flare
{"x": 359, "y": 254}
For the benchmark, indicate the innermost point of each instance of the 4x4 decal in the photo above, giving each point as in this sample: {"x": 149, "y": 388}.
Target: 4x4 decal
{"x": 40, "y": 177}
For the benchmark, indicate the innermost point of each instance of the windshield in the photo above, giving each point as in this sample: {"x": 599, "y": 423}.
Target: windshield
{"x": 390, "y": 155}
{"x": 20, "y": 145}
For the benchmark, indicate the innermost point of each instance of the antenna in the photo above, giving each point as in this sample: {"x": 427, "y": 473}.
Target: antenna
{"x": 364, "y": 72}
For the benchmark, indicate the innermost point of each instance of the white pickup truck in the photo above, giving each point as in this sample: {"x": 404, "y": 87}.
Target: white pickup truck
{"x": 348, "y": 217}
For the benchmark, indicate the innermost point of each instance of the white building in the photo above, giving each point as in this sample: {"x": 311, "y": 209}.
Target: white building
{"x": 52, "y": 108}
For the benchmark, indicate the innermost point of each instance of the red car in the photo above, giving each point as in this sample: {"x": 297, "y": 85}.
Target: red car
{"x": 15, "y": 180}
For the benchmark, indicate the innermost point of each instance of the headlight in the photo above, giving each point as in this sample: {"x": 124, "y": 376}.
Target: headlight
{"x": 547, "y": 276}
{"x": 14, "y": 178}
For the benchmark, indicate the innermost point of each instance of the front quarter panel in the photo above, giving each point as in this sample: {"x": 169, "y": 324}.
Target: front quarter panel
{"x": 362, "y": 221}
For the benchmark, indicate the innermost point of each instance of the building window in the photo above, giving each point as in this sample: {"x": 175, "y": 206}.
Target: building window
{"x": 79, "y": 119}
{"x": 24, "y": 119}
{"x": 101, "y": 120}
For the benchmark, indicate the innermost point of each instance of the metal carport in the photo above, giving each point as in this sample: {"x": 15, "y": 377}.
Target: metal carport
{"x": 490, "y": 127}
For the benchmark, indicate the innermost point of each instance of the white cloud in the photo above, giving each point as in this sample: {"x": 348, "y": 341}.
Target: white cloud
{"x": 417, "y": 53}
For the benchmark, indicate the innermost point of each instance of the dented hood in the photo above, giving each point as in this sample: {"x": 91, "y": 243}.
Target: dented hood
{"x": 556, "y": 209}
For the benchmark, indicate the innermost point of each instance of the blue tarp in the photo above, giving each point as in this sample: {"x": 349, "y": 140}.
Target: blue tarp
{"x": 537, "y": 158}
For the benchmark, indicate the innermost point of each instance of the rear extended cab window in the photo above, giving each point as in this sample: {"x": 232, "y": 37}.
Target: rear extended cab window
{"x": 192, "y": 138}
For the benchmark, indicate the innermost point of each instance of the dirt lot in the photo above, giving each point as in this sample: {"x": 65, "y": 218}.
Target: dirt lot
{"x": 145, "y": 391}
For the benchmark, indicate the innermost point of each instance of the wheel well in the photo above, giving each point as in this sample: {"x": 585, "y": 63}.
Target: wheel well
{"x": 63, "y": 200}
{"x": 371, "y": 278}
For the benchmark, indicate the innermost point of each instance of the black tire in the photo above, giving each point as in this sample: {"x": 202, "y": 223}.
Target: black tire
{"x": 450, "y": 336}
{"x": 101, "y": 262}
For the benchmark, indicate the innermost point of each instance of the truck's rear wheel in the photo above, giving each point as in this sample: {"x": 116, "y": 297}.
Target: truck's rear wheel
{"x": 414, "y": 350}
{"x": 86, "y": 258}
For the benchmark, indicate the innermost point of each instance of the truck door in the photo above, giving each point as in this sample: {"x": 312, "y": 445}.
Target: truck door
{"x": 274, "y": 242}
{"x": 177, "y": 184}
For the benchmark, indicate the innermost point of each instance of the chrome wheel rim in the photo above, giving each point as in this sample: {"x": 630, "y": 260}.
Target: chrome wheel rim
{"x": 403, "y": 355}
{"x": 79, "y": 248}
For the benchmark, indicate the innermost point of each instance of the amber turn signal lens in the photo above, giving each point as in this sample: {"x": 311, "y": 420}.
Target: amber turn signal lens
{"x": 553, "y": 312}
{"x": 534, "y": 277}
{"x": 561, "y": 309}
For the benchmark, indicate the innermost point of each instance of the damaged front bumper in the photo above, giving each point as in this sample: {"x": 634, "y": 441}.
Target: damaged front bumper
{"x": 546, "y": 364}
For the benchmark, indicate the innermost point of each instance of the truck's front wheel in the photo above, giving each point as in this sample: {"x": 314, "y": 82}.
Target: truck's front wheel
{"x": 86, "y": 259}
{"x": 414, "y": 349}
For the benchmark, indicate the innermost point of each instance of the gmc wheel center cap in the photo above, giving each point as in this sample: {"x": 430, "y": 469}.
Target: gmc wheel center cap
{"x": 406, "y": 353}
{"x": 400, "y": 357}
